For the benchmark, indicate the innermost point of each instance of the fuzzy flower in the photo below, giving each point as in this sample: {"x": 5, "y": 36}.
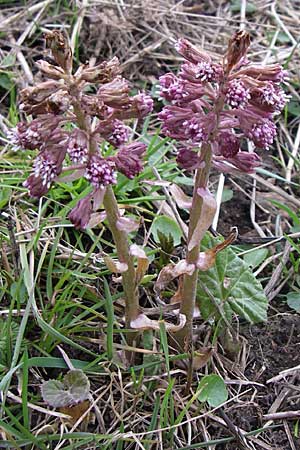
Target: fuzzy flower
{"x": 113, "y": 131}
{"x": 77, "y": 146}
{"x": 263, "y": 133}
{"x": 46, "y": 167}
{"x": 271, "y": 96}
{"x": 188, "y": 159}
{"x": 194, "y": 130}
{"x": 144, "y": 104}
{"x": 129, "y": 159}
{"x": 228, "y": 144}
{"x": 237, "y": 95}
{"x": 100, "y": 172}
{"x": 171, "y": 88}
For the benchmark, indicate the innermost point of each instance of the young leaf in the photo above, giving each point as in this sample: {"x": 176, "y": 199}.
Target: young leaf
{"x": 231, "y": 283}
{"x": 293, "y": 300}
{"x": 168, "y": 227}
{"x": 214, "y": 390}
{"x": 255, "y": 258}
{"x": 73, "y": 389}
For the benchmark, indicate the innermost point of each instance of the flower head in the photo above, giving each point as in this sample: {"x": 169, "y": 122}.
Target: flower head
{"x": 46, "y": 167}
{"x": 100, "y": 172}
{"x": 237, "y": 95}
{"x": 77, "y": 146}
{"x": 263, "y": 133}
{"x": 129, "y": 159}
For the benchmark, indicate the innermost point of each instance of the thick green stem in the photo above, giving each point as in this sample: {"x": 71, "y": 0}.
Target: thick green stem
{"x": 121, "y": 241}
{"x": 189, "y": 291}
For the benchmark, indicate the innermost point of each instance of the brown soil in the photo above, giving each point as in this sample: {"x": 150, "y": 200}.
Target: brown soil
{"x": 273, "y": 347}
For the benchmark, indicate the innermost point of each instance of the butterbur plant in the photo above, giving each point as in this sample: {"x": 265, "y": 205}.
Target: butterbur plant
{"x": 215, "y": 108}
{"x": 70, "y": 130}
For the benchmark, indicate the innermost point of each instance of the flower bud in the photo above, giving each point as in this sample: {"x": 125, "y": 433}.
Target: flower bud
{"x": 191, "y": 52}
{"x": 81, "y": 213}
{"x": 129, "y": 159}
{"x": 51, "y": 71}
{"x": 103, "y": 73}
{"x": 237, "y": 48}
{"x": 273, "y": 72}
{"x": 59, "y": 45}
{"x": 40, "y": 92}
{"x": 189, "y": 159}
{"x": 115, "y": 93}
{"x": 228, "y": 144}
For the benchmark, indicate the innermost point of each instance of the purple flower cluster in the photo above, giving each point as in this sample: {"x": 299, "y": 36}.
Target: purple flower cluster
{"x": 222, "y": 104}
{"x": 62, "y": 103}
{"x": 100, "y": 172}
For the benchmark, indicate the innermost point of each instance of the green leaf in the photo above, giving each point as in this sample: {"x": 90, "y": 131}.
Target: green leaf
{"x": 227, "y": 195}
{"x": 294, "y": 107}
{"x": 232, "y": 285}
{"x": 256, "y": 257}
{"x": 73, "y": 389}
{"x": 293, "y": 300}
{"x": 5, "y": 81}
{"x": 8, "y": 61}
{"x": 5, "y": 194}
{"x": 168, "y": 227}
{"x": 213, "y": 391}
{"x": 236, "y": 7}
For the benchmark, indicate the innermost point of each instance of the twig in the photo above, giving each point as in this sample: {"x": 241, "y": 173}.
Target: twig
{"x": 277, "y": 189}
{"x": 277, "y": 272}
{"x": 282, "y": 415}
{"x": 293, "y": 156}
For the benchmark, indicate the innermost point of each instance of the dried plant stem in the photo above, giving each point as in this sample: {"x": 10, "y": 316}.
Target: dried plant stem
{"x": 121, "y": 241}
{"x": 184, "y": 336}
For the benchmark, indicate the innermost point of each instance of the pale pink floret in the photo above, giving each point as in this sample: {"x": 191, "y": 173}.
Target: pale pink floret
{"x": 237, "y": 95}
{"x": 100, "y": 172}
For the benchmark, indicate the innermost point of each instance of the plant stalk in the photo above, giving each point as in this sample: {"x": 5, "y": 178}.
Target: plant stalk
{"x": 189, "y": 291}
{"x": 121, "y": 241}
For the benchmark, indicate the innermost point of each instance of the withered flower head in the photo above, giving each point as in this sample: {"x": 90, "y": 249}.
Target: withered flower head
{"x": 72, "y": 120}
{"x": 59, "y": 45}
{"x": 103, "y": 73}
{"x": 237, "y": 48}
